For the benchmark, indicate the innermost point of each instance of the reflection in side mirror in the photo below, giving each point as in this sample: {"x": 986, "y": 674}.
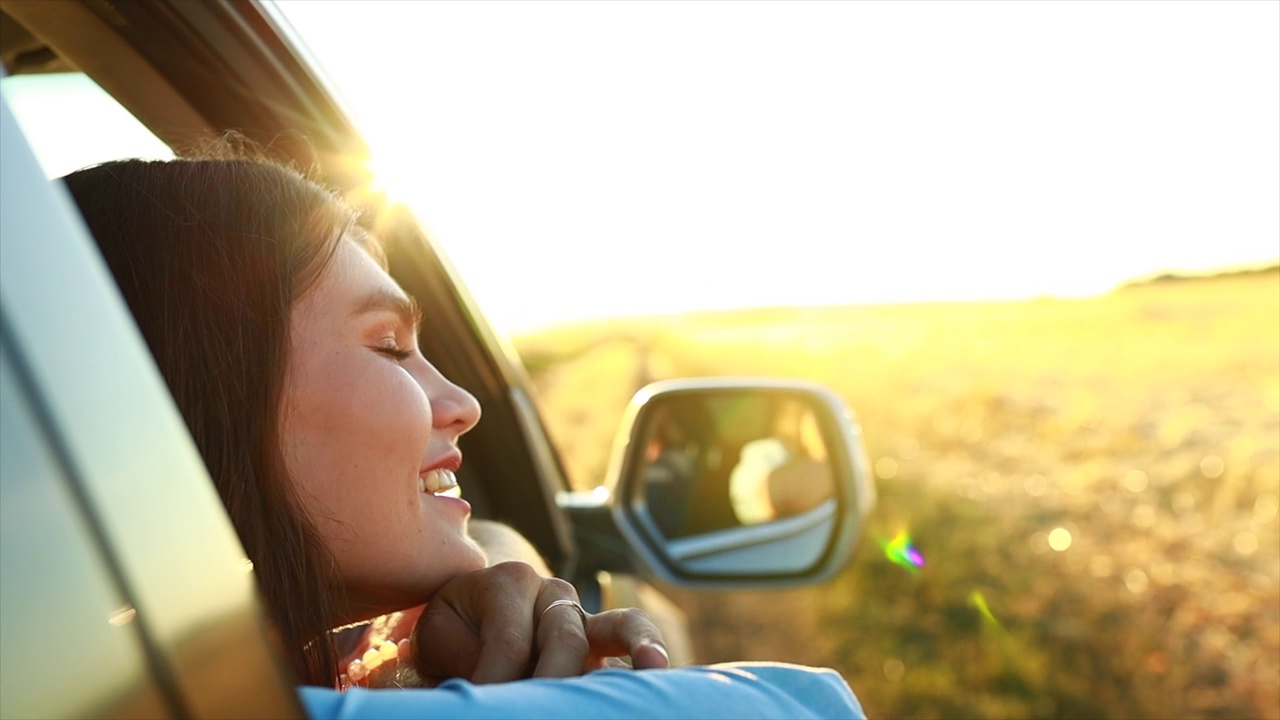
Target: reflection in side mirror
{"x": 718, "y": 462}
{"x": 744, "y": 482}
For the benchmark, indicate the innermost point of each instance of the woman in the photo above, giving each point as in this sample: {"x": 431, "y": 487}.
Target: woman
{"x": 292, "y": 356}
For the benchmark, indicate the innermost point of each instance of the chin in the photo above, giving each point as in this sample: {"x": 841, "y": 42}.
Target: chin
{"x": 479, "y": 559}
{"x": 469, "y": 557}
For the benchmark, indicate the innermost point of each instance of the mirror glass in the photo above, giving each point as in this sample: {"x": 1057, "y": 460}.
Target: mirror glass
{"x": 717, "y": 461}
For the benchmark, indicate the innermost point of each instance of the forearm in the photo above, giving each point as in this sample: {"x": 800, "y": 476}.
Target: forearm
{"x": 740, "y": 690}
{"x": 503, "y": 544}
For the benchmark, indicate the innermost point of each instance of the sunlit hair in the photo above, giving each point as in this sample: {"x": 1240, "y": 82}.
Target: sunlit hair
{"x": 210, "y": 255}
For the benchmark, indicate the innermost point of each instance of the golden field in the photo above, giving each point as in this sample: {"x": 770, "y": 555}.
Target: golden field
{"x": 1142, "y": 426}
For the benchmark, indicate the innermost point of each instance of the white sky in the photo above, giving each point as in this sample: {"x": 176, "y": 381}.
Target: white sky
{"x": 586, "y": 159}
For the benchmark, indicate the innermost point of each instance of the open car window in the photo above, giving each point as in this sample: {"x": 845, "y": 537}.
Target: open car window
{"x": 151, "y": 61}
{"x": 71, "y": 122}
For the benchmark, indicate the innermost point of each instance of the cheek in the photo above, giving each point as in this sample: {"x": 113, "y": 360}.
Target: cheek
{"x": 354, "y": 432}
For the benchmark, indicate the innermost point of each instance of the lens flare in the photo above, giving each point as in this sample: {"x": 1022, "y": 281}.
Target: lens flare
{"x": 902, "y": 553}
{"x": 978, "y": 601}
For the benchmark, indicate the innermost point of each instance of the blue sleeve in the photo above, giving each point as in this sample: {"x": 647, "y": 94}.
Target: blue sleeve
{"x": 736, "y": 690}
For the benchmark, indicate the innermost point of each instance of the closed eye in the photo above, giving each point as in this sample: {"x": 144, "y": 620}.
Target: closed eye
{"x": 395, "y": 353}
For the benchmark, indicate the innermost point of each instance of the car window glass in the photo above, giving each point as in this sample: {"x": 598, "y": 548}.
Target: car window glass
{"x": 50, "y": 567}
{"x": 71, "y": 122}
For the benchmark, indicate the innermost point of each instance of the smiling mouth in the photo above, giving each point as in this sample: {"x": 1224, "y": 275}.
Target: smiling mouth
{"x": 440, "y": 481}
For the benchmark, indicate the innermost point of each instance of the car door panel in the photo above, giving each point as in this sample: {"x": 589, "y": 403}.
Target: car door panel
{"x": 129, "y": 461}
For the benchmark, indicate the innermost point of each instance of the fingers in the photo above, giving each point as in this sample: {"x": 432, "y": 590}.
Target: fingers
{"x": 628, "y": 631}
{"x": 507, "y": 627}
{"x": 565, "y": 650}
{"x": 445, "y": 645}
{"x": 498, "y": 624}
{"x": 613, "y": 663}
{"x": 479, "y": 626}
{"x": 561, "y": 634}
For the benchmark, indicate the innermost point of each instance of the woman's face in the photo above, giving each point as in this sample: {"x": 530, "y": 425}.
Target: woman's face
{"x": 369, "y": 431}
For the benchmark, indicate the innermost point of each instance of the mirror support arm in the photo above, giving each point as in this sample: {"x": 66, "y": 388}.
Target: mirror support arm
{"x": 601, "y": 546}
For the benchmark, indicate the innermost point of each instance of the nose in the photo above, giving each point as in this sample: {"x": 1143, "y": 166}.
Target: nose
{"x": 454, "y": 409}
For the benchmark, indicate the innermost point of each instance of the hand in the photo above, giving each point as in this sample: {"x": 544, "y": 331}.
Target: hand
{"x": 488, "y": 626}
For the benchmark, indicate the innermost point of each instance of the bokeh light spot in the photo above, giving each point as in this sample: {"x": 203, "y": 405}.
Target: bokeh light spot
{"x": 1144, "y": 516}
{"x": 1211, "y": 466}
{"x": 1135, "y": 481}
{"x": 1246, "y": 543}
{"x": 894, "y": 669}
{"x": 886, "y": 468}
{"x": 1264, "y": 508}
{"x": 1059, "y": 539}
{"x": 1036, "y": 485}
{"x": 1136, "y": 581}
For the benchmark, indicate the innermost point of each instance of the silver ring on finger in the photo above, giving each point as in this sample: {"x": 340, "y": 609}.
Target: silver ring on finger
{"x": 582, "y": 614}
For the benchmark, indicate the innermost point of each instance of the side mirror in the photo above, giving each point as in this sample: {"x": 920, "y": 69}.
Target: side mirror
{"x": 726, "y": 482}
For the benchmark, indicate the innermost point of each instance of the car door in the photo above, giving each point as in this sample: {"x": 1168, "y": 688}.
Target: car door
{"x": 125, "y": 591}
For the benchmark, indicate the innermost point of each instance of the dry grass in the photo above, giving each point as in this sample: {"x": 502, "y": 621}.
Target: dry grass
{"x": 1146, "y": 423}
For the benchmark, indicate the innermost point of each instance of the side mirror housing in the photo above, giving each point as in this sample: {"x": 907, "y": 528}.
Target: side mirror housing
{"x": 739, "y": 482}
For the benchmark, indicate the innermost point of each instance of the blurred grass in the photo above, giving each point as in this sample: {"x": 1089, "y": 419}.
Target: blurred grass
{"x": 1145, "y": 423}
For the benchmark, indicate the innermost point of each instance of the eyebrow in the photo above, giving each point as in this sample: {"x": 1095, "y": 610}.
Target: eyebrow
{"x": 383, "y": 299}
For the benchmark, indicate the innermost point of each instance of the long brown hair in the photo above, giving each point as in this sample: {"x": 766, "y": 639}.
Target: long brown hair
{"x": 210, "y": 256}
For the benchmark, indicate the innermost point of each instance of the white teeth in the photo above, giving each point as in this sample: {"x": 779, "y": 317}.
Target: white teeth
{"x": 439, "y": 482}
